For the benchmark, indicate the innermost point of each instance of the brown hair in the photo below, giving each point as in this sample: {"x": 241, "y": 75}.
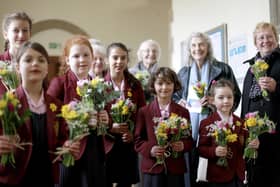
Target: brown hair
{"x": 11, "y": 17}
{"x": 166, "y": 74}
{"x": 220, "y": 84}
{"x": 37, "y": 47}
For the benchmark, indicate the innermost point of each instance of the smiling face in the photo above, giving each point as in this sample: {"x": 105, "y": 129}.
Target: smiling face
{"x": 32, "y": 66}
{"x": 149, "y": 54}
{"x": 164, "y": 88}
{"x": 265, "y": 41}
{"x": 118, "y": 60}
{"x": 223, "y": 99}
{"x": 18, "y": 32}
{"x": 79, "y": 60}
{"x": 198, "y": 49}
{"x": 98, "y": 63}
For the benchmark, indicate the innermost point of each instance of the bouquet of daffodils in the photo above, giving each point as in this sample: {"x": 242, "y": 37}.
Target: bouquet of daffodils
{"x": 8, "y": 76}
{"x": 170, "y": 130}
{"x": 161, "y": 133}
{"x": 121, "y": 112}
{"x": 256, "y": 125}
{"x": 179, "y": 127}
{"x": 10, "y": 121}
{"x": 259, "y": 70}
{"x": 143, "y": 77}
{"x": 95, "y": 95}
{"x": 199, "y": 89}
{"x": 77, "y": 119}
{"x": 222, "y": 132}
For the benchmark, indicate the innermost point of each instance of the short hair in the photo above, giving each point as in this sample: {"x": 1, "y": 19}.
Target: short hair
{"x": 143, "y": 47}
{"x": 75, "y": 40}
{"x": 166, "y": 74}
{"x": 220, "y": 84}
{"x": 206, "y": 39}
{"x": 265, "y": 25}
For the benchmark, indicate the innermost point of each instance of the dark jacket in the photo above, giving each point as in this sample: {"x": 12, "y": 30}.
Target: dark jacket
{"x": 272, "y": 107}
{"x": 145, "y": 139}
{"x": 56, "y": 132}
{"x": 218, "y": 70}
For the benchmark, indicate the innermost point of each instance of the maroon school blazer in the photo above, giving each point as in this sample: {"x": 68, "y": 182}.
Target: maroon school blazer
{"x": 56, "y": 132}
{"x": 145, "y": 139}
{"x": 207, "y": 146}
{"x": 137, "y": 98}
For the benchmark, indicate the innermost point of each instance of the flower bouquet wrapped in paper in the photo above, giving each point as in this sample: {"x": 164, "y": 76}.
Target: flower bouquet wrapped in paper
{"x": 259, "y": 69}
{"x": 10, "y": 121}
{"x": 256, "y": 126}
{"x": 222, "y": 132}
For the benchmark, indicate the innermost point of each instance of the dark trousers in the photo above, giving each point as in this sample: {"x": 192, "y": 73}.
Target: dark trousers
{"x": 163, "y": 180}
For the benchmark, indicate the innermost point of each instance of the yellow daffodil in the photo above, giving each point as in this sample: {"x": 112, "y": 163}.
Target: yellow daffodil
{"x": 53, "y": 107}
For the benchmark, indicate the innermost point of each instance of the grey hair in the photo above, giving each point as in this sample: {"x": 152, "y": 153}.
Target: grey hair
{"x": 143, "y": 47}
{"x": 97, "y": 46}
{"x": 206, "y": 39}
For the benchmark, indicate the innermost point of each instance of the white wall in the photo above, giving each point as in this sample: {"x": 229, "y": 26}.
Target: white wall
{"x": 241, "y": 17}
{"x": 202, "y": 15}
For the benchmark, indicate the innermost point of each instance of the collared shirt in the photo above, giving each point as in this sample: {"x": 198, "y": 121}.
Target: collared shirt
{"x": 39, "y": 107}
{"x": 165, "y": 111}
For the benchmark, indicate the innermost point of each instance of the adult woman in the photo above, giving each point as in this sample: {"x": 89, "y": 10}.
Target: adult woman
{"x": 201, "y": 67}
{"x": 98, "y": 67}
{"x": 148, "y": 57}
{"x": 121, "y": 162}
{"x": 264, "y": 171}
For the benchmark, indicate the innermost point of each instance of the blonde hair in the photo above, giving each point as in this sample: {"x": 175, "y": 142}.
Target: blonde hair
{"x": 265, "y": 25}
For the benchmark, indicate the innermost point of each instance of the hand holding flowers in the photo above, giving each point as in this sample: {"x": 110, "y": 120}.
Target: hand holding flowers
{"x": 95, "y": 94}
{"x": 143, "y": 77}
{"x": 256, "y": 125}
{"x": 259, "y": 70}
{"x": 121, "y": 112}
{"x": 222, "y": 132}
{"x": 10, "y": 121}
{"x": 77, "y": 120}
{"x": 169, "y": 133}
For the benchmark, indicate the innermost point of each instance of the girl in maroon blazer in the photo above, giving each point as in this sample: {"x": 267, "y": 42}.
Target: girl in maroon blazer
{"x": 16, "y": 31}
{"x": 121, "y": 158}
{"x": 89, "y": 169}
{"x": 43, "y": 128}
{"x": 232, "y": 174}
{"x": 163, "y": 84}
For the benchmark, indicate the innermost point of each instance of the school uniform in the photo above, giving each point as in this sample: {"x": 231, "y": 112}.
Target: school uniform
{"x": 89, "y": 168}
{"x": 235, "y": 171}
{"x": 121, "y": 158}
{"x": 46, "y": 132}
{"x": 145, "y": 139}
